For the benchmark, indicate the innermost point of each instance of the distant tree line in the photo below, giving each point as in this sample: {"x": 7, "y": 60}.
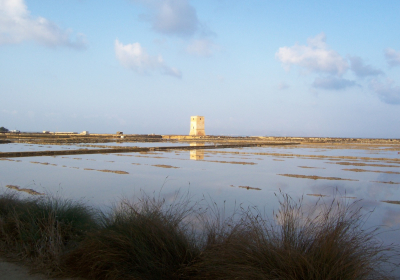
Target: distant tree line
{"x": 3, "y": 129}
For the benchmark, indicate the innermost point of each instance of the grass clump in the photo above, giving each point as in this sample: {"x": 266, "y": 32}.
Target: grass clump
{"x": 326, "y": 242}
{"x": 41, "y": 230}
{"x": 145, "y": 239}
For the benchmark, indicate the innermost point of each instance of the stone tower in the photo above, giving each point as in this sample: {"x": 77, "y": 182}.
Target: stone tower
{"x": 197, "y": 126}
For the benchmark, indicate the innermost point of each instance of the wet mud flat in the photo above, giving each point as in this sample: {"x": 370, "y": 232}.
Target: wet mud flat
{"x": 315, "y": 177}
{"x": 26, "y": 190}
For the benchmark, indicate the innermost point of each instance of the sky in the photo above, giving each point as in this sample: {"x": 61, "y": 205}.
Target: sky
{"x": 255, "y": 67}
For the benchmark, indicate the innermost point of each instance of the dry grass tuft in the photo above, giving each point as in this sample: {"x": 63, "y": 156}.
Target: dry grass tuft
{"x": 40, "y": 230}
{"x": 328, "y": 242}
{"x": 146, "y": 239}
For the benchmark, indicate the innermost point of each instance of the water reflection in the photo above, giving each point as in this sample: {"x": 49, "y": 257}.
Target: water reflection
{"x": 197, "y": 154}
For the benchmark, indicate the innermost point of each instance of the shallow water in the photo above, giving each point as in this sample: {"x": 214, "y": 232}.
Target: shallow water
{"x": 25, "y": 147}
{"x": 247, "y": 176}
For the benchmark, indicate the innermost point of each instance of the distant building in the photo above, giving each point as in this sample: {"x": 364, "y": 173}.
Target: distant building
{"x": 85, "y": 132}
{"x": 46, "y": 131}
{"x": 197, "y": 126}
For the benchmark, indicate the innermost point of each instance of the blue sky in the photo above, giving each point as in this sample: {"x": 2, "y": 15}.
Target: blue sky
{"x": 256, "y": 67}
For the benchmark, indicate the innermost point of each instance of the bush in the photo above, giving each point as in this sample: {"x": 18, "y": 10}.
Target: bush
{"x": 3, "y": 129}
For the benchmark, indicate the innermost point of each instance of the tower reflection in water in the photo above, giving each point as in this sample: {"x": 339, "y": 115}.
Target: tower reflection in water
{"x": 197, "y": 154}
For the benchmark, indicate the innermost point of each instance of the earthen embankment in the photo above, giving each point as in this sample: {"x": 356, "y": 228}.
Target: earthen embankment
{"x": 130, "y": 150}
{"x": 62, "y": 138}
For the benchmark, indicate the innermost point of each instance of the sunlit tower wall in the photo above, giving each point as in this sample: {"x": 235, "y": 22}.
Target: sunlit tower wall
{"x": 197, "y": 126}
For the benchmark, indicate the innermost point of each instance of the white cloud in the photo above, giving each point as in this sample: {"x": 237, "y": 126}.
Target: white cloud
{"x": 386, "y": 92}
{"x": 362, "y": 70}
{"x": 179, "y": 18}
{"x": 202, "y": 47}
{"x": 134, "y": 57}
{"x": 392, "y": 57}
{"x": 17, "y": 25}
{"x": 172, "y": 17}
{"x": 332, "y": 83}
{"x": 315, "y": 57}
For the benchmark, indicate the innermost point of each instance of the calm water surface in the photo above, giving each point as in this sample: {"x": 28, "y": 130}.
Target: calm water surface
{"x": 249, "y": 176}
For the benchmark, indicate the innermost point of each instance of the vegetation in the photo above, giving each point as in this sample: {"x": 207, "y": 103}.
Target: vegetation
{"x": 42, "y": 229}
{"x": 3, "y": 129}
{"x": 150, "y": 238}
{"x": 142, "y": 240}
{"x": 327, "y": 242}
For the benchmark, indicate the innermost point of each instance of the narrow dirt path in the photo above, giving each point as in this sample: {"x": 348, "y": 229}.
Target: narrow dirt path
{"x": 16, "y": 271}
